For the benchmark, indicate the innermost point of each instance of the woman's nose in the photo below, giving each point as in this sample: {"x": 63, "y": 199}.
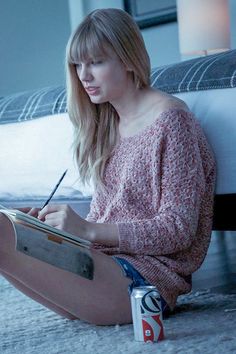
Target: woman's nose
{"x": 85, "y": 74}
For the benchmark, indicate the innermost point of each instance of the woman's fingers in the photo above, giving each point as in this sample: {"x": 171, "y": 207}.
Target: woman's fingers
{"x": 29, "y": 210}
{"x": 24, "y": 209}
{"x": 48, "y": 209}
{"x": 34, "y": 212}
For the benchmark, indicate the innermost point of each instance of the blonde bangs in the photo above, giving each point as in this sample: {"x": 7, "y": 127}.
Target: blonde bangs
{"x": 86, "y": 44}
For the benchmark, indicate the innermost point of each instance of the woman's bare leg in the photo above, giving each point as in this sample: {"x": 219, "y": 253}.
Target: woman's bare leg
{"x": 30, "y": 293}
{"x": 103, "y": 300}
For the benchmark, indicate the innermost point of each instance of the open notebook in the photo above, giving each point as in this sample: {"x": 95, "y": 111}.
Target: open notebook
{"x": 30, "y": 221}
{"x": 49, "y": 244}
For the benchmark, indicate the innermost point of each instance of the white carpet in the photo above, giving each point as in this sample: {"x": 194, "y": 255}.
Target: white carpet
{"x": 202, "y": 323}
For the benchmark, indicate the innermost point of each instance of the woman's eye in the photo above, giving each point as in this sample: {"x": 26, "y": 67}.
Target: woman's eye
{"x": 78, "y": 66}
{"x": 96, "y": 62}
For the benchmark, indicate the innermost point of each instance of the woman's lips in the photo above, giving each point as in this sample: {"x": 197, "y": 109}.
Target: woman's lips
{"x": 92, "y": 90}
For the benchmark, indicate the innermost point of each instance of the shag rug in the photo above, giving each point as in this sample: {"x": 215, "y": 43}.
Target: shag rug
{"x": 203, "y": 322}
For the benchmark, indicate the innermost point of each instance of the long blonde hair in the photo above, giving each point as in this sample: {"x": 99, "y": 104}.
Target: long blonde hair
{"x": 96, "y": 125}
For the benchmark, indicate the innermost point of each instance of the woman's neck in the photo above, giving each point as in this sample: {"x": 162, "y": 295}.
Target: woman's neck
{"x": 131, "y": 105}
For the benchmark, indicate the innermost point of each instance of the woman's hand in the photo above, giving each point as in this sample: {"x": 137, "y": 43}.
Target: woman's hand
{"x": 63, "y": 217}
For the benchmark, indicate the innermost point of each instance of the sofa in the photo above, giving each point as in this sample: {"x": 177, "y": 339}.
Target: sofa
{"x": 36, "y": 135}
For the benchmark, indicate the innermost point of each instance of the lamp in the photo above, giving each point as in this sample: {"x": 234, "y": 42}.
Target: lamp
{"x": 203, "y": 27}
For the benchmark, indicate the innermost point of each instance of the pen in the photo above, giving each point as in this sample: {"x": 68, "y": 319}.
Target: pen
{"x": 54, "y": 190}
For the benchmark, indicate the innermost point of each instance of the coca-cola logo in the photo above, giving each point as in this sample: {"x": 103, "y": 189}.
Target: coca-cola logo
{"x": 151, "y": 302}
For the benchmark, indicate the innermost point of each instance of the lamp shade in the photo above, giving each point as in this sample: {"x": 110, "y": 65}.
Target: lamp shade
{"x": 204, "y": 26}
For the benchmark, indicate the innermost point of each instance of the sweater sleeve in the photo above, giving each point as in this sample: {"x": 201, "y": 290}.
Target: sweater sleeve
{"x": 174, "y": 226}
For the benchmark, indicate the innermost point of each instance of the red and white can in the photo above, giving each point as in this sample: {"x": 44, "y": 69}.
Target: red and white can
{"x": 147, "y": 314}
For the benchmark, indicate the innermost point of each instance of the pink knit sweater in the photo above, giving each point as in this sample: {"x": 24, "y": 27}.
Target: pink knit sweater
{"x": 160, "y": 186}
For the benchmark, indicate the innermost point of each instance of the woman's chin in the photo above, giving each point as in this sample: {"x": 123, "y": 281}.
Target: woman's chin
{"x": 97, "y": 99}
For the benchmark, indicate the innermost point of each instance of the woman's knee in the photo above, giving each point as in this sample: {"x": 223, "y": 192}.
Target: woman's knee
{"x": 5, "y": 223}
{"x": 7, "y": 235}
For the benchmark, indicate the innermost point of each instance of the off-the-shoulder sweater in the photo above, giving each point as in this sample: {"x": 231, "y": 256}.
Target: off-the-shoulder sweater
{"x": 159, "y": 192}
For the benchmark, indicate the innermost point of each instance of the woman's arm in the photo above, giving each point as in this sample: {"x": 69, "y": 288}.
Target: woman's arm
{"x": 187, "y": 182}
{"x": 65, "y": 218}
{"x": 186, "y": 193}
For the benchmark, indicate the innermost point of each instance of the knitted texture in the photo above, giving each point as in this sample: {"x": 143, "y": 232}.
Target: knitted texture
{"x": 159, "y": 192}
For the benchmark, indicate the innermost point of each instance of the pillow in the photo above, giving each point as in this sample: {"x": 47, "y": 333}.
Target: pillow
{"x": 204, "y": 73}
{"x": 28, "y": 105}
{"x": 34, "y": 155}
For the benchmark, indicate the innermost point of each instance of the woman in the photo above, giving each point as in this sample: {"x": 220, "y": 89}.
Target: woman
{"x": 151, "y": 212}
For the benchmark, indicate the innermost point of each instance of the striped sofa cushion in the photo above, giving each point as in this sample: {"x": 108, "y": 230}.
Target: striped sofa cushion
{"x": 204, "y": 73}
{"x": 32, "y": 104}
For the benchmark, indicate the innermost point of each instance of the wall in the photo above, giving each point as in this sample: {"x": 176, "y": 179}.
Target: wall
{"x": 34, "y": 33}
{"x": 33, "y": 36}
{"x": 232, "y": 11}
{"x": 80, "y": 8}
{"x": 162, "y": 44}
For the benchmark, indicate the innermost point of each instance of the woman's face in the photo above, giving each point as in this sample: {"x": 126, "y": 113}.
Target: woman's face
{"x": 104, "y": 78}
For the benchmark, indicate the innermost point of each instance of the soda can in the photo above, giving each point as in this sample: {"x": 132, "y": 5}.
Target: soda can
{"x": 147, "y": 314}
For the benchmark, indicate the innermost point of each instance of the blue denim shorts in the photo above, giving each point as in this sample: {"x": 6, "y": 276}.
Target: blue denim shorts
{"x": 138, "y": 280}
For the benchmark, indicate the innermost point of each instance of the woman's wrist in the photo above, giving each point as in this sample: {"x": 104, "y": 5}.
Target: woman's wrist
{"x": 106, "y": 234}
{"x": 90, "y": 231}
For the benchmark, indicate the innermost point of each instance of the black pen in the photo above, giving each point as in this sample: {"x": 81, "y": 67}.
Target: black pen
{"x": 54, "y": 190}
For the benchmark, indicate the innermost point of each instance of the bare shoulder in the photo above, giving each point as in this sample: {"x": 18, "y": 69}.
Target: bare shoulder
{"x": 165, "y": 101}
{"x": 154, "y": 103}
